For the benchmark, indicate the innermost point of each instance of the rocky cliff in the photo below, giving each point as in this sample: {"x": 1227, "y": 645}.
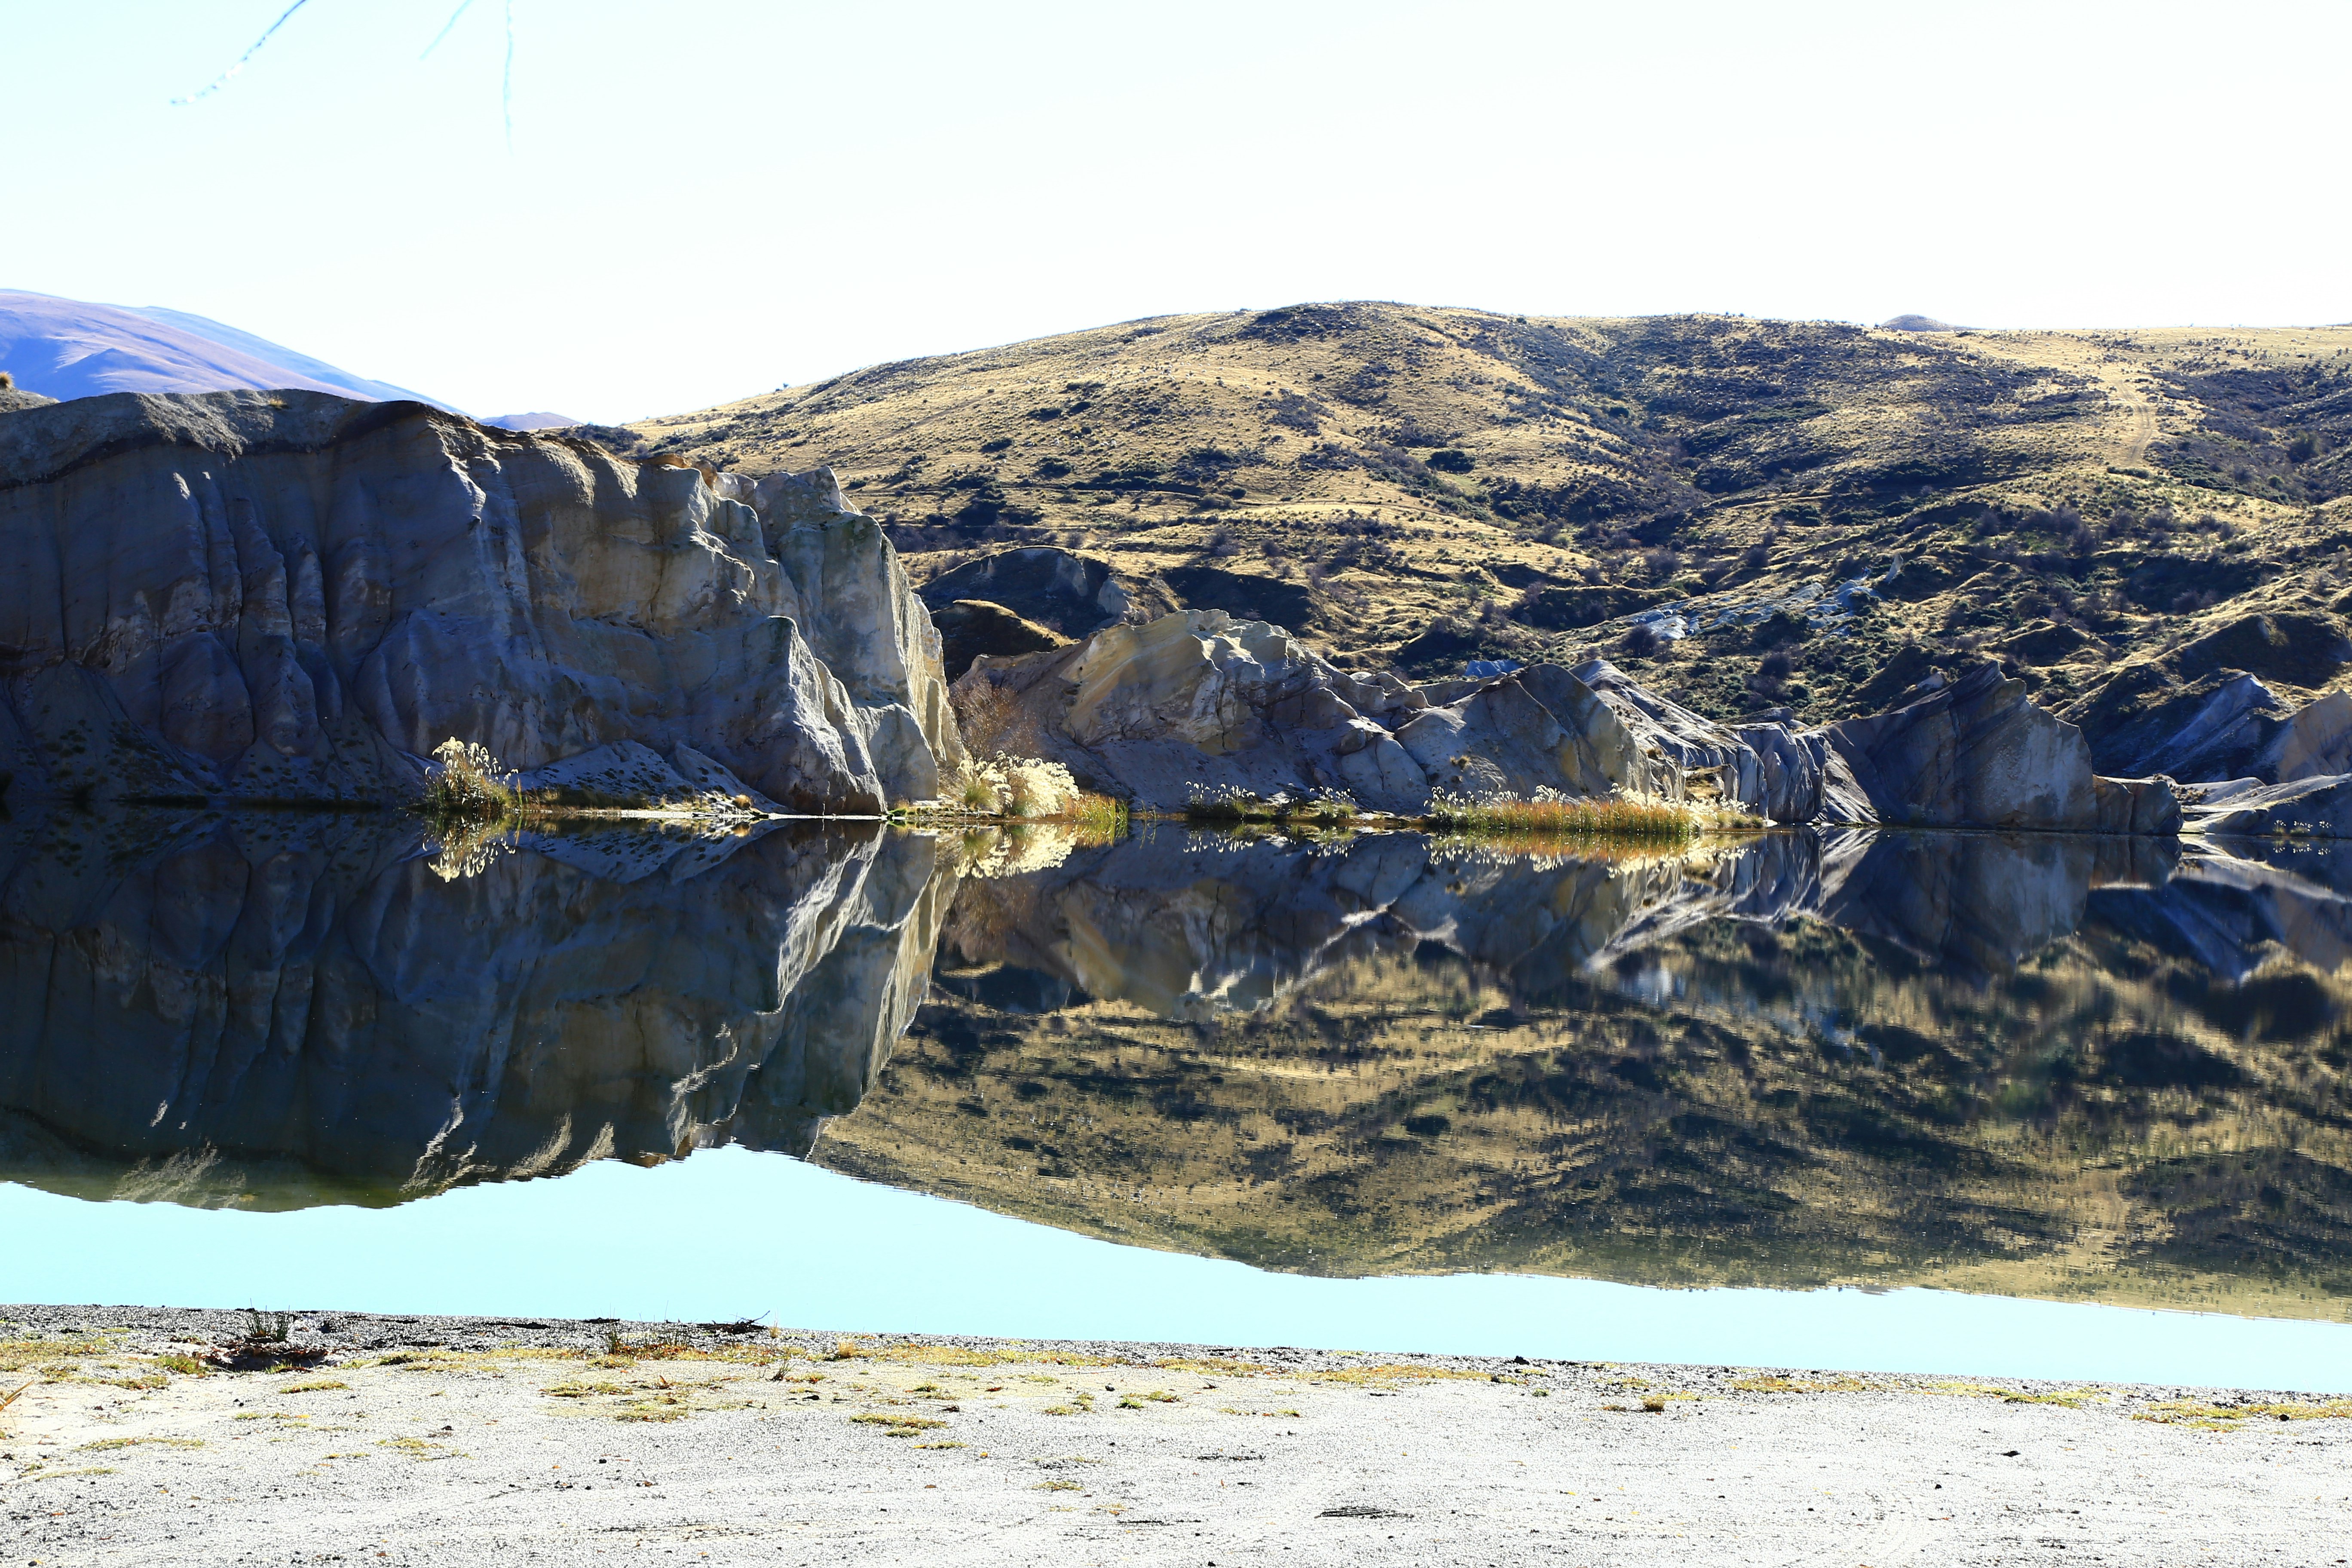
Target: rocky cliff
{"x": 1198, "y": 701}
{"x": 292, "y": 595}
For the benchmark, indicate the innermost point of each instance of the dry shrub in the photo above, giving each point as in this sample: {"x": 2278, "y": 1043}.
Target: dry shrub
{"x": 992, "y": 719}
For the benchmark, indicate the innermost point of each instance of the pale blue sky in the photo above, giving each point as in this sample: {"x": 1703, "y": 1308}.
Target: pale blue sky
{"x": 729, "y": 1234}
{"x": 708, "y": 198}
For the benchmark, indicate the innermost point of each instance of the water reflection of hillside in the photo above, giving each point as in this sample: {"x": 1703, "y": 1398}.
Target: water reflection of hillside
{"x": 2063, "y": 1066}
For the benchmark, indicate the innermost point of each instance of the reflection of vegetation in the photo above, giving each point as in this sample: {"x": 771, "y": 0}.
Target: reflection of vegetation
{"x": 1553, "y": 814}
{"x": 1732, "y": 1104}
{"x": 1549, "y": 814}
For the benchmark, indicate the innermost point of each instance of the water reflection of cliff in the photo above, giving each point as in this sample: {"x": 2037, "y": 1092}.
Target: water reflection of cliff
{"x": 279, "y": 1011}
{"x": 2051, "y": 1065}
{"x": 2048, "y": 1066}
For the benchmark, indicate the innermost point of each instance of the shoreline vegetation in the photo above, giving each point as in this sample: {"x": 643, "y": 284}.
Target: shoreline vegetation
{"x": 472, "y": 791}
{"x": 1634, "y": 819}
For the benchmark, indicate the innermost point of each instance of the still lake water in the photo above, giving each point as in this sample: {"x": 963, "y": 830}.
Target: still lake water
{"x": 1962, "y": 1103}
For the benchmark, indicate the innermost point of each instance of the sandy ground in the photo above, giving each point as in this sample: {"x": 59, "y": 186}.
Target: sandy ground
{"x": 471, "y": 1441}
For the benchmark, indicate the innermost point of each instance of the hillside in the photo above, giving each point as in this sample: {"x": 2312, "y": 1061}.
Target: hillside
{"x": 1413, "y": 486}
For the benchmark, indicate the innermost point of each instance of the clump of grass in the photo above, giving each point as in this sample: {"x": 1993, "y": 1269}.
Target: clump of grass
{"x": 1551, "y": 814}
{"x": 1231, "y": 803}
{"x": 1388, "y": 1372}
{"x": 1139, "y": 1401}
{"x": 898, "y": 1426}
{"x": 470, "y": 787}
{"x": 1004, "y": 785}
{"x": 2233, "y": 1417}
{"x": 1761, "y": 1384}
{"x": 1242, "y": 1368}
{"x": 186, "y": 1366}
{"x": 1099, "y": 817}
{"x": 1328, "y": 808}
{"x": 105, "y": 1444}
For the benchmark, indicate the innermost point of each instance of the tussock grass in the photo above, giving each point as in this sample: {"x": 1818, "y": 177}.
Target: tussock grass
{"x": 1390, "y": 1372}
{"x": 1099, "y": 817}
{"x": 899, "y": 1426}
{"x": 960, "y": 1355}
{"x": 1024, "y": 790}
{"x": 108, "y": 1444}
{"x": 2070, "y": 1398}
{"x": 1763, "y": 1384}
{"x": 18, "y": 1355}
{"x": 1211, "y": 804}
{"x": 1567, "y": 816}
{"x": 2233, "y": 1417}
{"x": 1213, "y": 1364}
{"x": 470, "y": 787}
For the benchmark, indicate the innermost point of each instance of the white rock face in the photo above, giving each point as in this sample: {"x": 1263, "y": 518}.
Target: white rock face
{"x": 293, "y": 595}
{"x": 1198, "y": 703}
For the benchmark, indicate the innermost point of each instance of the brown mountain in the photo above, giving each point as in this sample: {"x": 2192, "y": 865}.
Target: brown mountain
{"x": 1415, "y": 487}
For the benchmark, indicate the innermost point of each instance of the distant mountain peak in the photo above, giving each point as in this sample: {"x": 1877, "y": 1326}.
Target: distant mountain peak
{"x": 72, "y": 348}
{"x": 1917, "y": 324}
{"x": 540, "y": 420}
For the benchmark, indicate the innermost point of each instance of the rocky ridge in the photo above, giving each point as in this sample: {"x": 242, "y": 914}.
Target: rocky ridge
{"x": 290, "y": 595}
{"x": 1197, "y": 703}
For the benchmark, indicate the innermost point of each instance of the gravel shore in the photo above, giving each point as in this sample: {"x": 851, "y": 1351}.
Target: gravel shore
{"x": 474, "y": 1441}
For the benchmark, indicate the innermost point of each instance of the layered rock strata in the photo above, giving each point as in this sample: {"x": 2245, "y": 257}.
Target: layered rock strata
{"x": 292, "y": 595}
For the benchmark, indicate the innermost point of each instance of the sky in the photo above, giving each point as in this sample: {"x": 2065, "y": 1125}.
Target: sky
{"x": 686, "y": 202}
{"x": 784, "y": 1242}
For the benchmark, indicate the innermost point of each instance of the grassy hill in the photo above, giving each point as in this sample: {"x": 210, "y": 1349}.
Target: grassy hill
{"x": 1411, "y": 487}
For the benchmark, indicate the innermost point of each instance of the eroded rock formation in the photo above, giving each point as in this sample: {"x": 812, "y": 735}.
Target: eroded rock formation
{"x": 293, "y": 595}
{"x": 1199, "y": 701}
